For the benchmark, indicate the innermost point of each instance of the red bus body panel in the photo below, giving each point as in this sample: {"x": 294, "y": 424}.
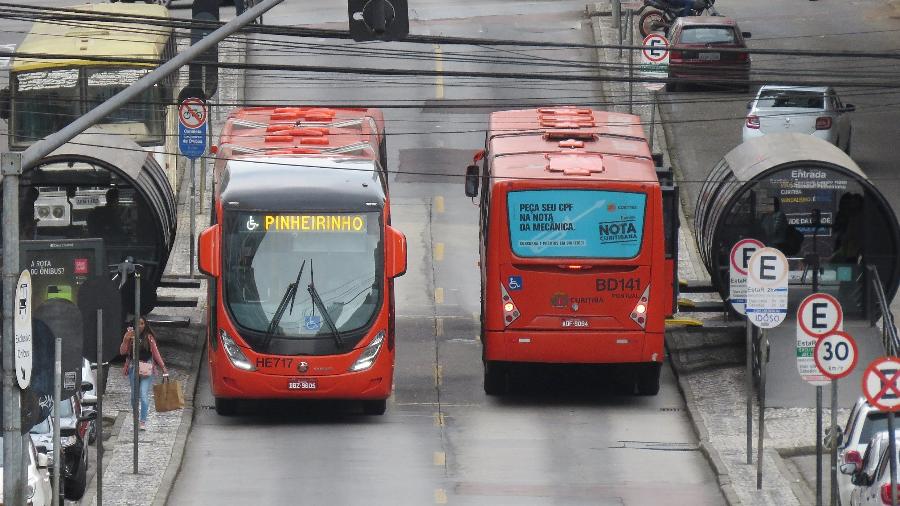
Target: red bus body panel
{"x": 571, "y": 310}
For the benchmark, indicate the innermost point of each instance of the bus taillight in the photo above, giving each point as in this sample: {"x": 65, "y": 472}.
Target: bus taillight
{"x": 639, "y": 313}
{"x": 510, "y": 311}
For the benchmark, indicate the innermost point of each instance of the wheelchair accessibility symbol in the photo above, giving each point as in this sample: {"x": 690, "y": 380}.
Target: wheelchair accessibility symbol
{"x": 514, "y": 283}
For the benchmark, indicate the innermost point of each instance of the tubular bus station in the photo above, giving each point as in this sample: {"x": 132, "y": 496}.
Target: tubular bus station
{"x": 303, "y": 258}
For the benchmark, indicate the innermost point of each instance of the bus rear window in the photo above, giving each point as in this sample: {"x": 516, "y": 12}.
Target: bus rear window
{"x": 576, "y": 223}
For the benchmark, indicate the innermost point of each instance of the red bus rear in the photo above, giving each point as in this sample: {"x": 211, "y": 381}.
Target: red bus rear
{"x": 575, "y": 263}
{"x": 302, "y": 259}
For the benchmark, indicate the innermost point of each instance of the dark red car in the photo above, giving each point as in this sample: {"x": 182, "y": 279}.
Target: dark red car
{"x": 689, "y": 65}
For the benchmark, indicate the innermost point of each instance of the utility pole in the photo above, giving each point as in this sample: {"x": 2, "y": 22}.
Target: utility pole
{"x": 11, "y": 167}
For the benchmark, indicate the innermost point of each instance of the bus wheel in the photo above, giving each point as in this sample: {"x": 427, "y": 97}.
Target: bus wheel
{"x": 374, "y": 407}
{"x": 496, "y": 378}
{"x": 226, "y": 407}
{"x": 648, "y": 380}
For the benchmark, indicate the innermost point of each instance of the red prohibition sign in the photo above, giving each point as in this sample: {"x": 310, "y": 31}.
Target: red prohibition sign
{"x": 648, "y": 51}
{"x": 889, "y": 385}
{"x": 192, "y": 113}
{"x": 812, "y": 298}
{"x": 738, "y": 245}
{"x": 842, "y": 337}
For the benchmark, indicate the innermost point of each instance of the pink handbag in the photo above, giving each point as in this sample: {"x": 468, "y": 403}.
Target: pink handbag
{"x": 145, "y": 368}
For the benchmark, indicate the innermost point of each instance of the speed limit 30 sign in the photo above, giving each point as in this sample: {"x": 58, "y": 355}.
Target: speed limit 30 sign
{"x": 836, "y": 354}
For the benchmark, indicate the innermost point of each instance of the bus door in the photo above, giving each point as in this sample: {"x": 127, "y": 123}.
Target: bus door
{"x": 577, "y": 261}
{"x": 671, "y": 226}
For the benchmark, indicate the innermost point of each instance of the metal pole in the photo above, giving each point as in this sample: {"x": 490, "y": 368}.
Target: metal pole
{"x": 834, "y": 408}
{"x": 57, "y": 401}
{"x": 892, "y": 451}
{"x": 630, "y": 27}
{"x": 204, "y": 162}
{"x": 98, "y": 424}
{"x": 13, "y": 473}
{"x": 652, "y": 117}
{"x": 617, "y": 21}
{"x": 40, "y": 149}
{"x": 135, "y": 366}
{"x": 819, "y": 445}
{"x": 763, "y": 364}
{"x": 193, "y": 212}
{"x": 749, "y": 392}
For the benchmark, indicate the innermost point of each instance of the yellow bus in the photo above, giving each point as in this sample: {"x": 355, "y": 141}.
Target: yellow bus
{"x": 46, "y": 94}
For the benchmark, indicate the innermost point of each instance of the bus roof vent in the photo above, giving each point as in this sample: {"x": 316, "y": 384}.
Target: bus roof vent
{"x": 574, "y": 165}
{"x": 554, "y": 135}
{"x": 566, "y": 117}
{"x": 302, "y": 113}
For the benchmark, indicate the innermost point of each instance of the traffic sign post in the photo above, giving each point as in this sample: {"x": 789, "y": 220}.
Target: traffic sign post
{"x": 737, "y": 296}
{"x": 836, "y": 356}
{"x": 766, "y": 306}
{"x": 817, "y": 316}
{"x": 655, "y": 60}
{"x": 193, "y": 116}
{"x": 881, "y": 387}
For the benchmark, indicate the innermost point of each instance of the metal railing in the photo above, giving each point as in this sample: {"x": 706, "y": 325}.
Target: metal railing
{"x": 889, "y": 338}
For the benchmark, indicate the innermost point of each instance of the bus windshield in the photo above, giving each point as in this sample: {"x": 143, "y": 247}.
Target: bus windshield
{"x": 45, "y": 102}
{"x": 142, "y": 119}
{"x": 264, "y": 253}
{"x": 576, "y": 223}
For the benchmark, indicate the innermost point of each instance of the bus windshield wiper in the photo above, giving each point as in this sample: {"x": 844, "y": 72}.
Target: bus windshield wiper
{"x": 314, "y": 295}
{"x": 289, "y": 295}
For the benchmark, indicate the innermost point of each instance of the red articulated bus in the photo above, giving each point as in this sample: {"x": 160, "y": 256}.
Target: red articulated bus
{"x": 302, "y": 258}
{"x": 577, "y": 254}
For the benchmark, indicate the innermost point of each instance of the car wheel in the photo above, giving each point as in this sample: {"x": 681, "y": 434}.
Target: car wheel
{"x": 375, "y": 407}
{"x": 496, "y": 378}
{"x": 648, "y": 380}
{"x": 226, "y": 407}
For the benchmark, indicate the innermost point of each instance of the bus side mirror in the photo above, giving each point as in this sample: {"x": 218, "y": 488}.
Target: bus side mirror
{"x": 472, "y": 181}
{"x": 396, "y": 261}
{"x": 4, "y": 103}
{"x": 208, "y": 257}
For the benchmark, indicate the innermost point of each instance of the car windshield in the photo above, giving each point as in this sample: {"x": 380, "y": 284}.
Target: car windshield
{"x": 263, "y": 256}
{"x": 708, "y": 35}
{"x": 791, "y": 98}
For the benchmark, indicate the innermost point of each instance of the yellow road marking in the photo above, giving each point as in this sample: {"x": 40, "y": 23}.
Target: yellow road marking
{"x": 438, "y": 295}
{"x": 439, "y": 327}
{"x": 438, "y": 251}
{"x": 438, "y": 67}
{"x": 440, "y": 458}
{"x": 439, "y": 204}
{"x": 439, "y": 419}
{"x": 440, "y": 497}
{"x": 438, "y": 375}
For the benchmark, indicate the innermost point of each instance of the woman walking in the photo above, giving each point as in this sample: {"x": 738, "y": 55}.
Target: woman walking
{"x": 148, "y": 357}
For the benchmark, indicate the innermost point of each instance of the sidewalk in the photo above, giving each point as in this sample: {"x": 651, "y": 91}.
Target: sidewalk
{"x": 160, "y": 448}
{"x": 709, "y": 362}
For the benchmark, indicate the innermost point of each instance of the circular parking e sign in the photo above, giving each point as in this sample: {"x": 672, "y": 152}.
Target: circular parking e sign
{"x": 656, "y": 48}
{"x": 819, "y": 314}
{"x": 836, "y": 354}
{"x": 767, "y": 288}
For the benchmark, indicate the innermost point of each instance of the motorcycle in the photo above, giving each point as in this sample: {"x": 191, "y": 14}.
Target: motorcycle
{"x": 660, "y": 14}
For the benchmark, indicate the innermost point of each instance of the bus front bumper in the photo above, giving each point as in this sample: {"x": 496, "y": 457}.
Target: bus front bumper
{"x": 607, "y": 347}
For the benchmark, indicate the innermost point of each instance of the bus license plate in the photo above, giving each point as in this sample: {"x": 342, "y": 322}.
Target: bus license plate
{"x": 302, "y": 384}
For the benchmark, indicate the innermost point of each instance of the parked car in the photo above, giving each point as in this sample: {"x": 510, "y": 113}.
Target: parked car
{"x": 73, "y": 439}
{"x": 813, "y": 110}
{"x": 687, "y": 64}
{"x": 871, "y": 478}
{"x": 864, "y": 422}
{"x": 38, "y": 490}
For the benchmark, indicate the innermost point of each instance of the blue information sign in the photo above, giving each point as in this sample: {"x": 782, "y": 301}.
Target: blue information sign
{"x": 192, "y": 118}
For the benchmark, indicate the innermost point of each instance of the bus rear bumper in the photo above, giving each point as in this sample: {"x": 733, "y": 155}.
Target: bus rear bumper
{"x": 608, "y": 347}
{"x": 372, "y": 384}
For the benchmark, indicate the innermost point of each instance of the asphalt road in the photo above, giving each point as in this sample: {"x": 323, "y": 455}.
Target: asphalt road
{"x": 569, "y": 438}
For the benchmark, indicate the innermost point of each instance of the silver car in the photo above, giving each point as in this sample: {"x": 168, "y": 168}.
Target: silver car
{"x": 813, "y": 110}
{"x": 864, "y": 422}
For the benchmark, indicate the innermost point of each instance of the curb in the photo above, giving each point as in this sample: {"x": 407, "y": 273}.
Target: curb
{"x": 706, "y": 448}
{"x": 167, "y": 482}
{"x": 115, "y": 432}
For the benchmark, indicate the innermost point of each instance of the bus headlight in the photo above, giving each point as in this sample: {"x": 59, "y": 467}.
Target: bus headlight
{"x": 369, "y": 354}
{"x": 234, "y": 352}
